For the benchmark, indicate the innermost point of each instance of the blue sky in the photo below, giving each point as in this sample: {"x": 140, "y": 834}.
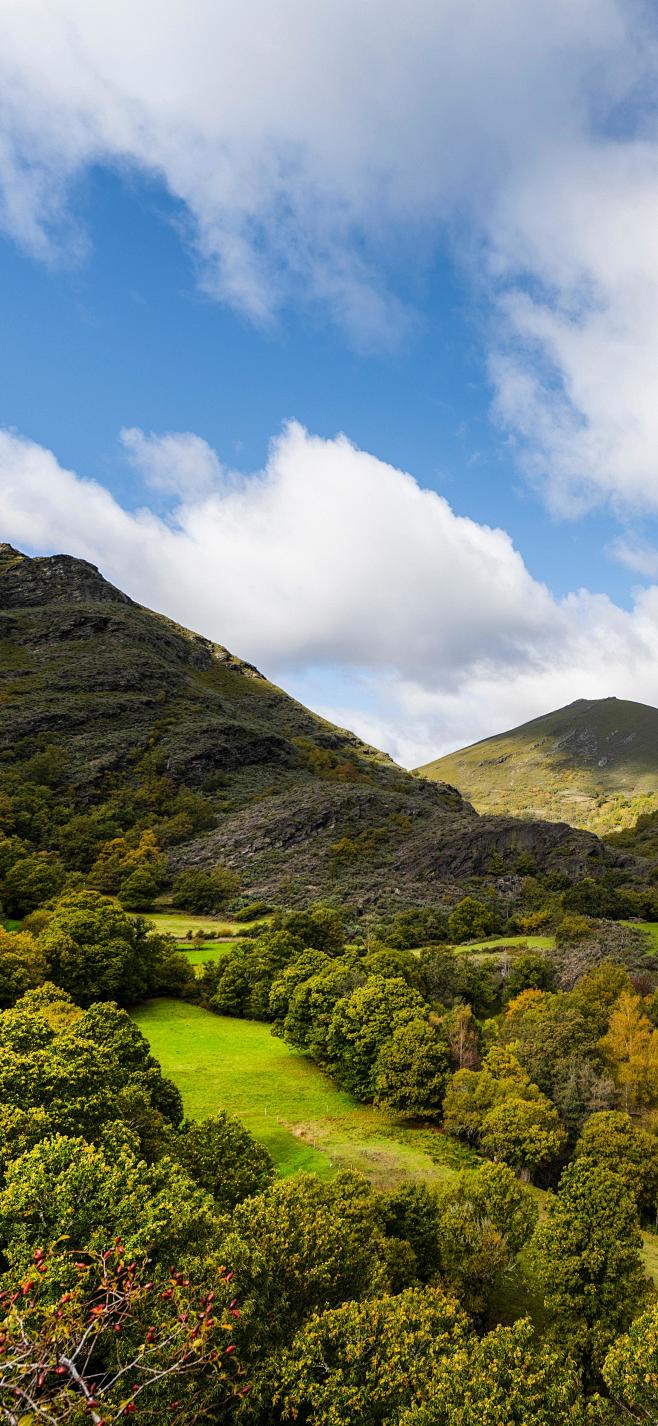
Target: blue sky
{"x": 127, "y": 339}
{"x": 467, "y": 294}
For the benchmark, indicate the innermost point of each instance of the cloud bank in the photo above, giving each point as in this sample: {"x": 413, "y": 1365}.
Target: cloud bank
{"x": 343, "y": 579}
{"x": 319, "y": 152}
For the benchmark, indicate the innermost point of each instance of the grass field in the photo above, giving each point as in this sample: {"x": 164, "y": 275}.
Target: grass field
{"x": 207, "y": 951}
{"x": 178, "y": 923}
{"x": 536, "y": 943}
{"x": 285, "y": 1101}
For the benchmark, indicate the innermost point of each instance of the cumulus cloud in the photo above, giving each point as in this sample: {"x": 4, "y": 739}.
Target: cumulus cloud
{"x": 320, "y": 150}
{"x": 345, "y": 580}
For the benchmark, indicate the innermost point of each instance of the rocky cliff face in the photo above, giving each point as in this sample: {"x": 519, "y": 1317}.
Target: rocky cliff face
{"x": 301, "y": 807}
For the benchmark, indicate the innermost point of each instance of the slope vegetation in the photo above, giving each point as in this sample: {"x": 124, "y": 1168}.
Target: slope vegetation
{"x": 593, "y": 764}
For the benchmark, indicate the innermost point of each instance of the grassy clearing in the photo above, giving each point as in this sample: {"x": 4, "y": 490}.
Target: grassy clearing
{"x": 650, "y": 929}
{"x": 209, "y": 951}
{"x": 11, "y": 925}
{"x": 178, "y": 923}
{"x": 535, "y": 943}
{"x": 285, "y": 1101}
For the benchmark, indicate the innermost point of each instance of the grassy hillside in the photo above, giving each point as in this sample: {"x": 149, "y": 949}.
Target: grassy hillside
{"x": 593, "y": 764}
{"x": 112, "y": 713}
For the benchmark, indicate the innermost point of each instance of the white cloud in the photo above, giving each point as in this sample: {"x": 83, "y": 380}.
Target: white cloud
{"x": 318, "y": 149}
{"x": 344, "y": 579}
{"x": 183, "y": 464}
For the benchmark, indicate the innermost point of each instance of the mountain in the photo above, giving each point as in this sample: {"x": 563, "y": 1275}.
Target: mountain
{"x": 117, "y": 717}
{"x": 593, "y": 764}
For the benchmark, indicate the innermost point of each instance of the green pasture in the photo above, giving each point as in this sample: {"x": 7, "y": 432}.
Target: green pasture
{"x": 179, "y": 923}
{"x": 286, "y": 1101}
{"x": 206, "y": 951}
{"x": 534, "y": 943}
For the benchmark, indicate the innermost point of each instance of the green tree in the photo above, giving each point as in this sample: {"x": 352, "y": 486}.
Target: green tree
{"x": 526, "y": 1134}
{"x": 205, "y": 892}
{"x": 69, "y": 1191}
{"x": 412, "y": 1071}
{"x": 506, "y": 1377}
{"x": 95, "y": 950}
{"x": 413, "y": 1214}
{"x": 360, "y": 1025}
{"x": 529, "y": 971}
{"x": 221, "y": 1156}
{"x": 471, "y": 1094}
{"x": 586, "y": 1257}
{"x": 22, "y": 967}
{"x": 31, "y": 881}
{"x": 312, "y": 1005}
{"x": 630, "y": 1371}
{"x": 611, "y": 1140}
{"x": 310, "y": 963}
{"x": 139, "y": 890}
{"x": 471, "y": 920}
{"x": 304, "y": 1246}
{"x": 486, "y": 1219}
{"x": 367, "y": 1361}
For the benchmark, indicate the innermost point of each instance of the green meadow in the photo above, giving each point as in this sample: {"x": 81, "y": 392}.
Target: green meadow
{"x": 286, "y": 1101}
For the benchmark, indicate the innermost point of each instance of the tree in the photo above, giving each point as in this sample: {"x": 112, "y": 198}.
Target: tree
{"x": 360, "y": 1025}
{"x": 221, "y": 1156}
{"x": 80, "y": 1195}
{"x": 31, "y": 881}
{"x": 205, "y": 891}
{"x": 631, "y": 1048}
{"x": 485, "y": 1221}
{"x": 611, "y": 1140}
{"x": 526, "y": 1134}
{"x": 461, "y": 1031}
{"x": 95, "y": 950}
{"x": 83, "y": 1070}
{"x": 320, "y": 928}
{"x": 547, "y": 1032}
{"x": 586, "y": 1257}
{"x": 304, "y": 1246}
{"x": 471, "y": 1094}
{"x": 310, "y": 963}
{"x": 471, "y": 920}
{"x": 581, "y": 1088}
{"x": 22, "y": 967}
{"x": 307, "y": 1023}
{"x": 412, "y": 1071}
{"x": 139, "y": 890}
{"x": 630, "y": 1370}
{"x": 413, "y": 1213}
{"x": 529, "y": 971}
{"x": 367, "y": 1361}
{"x": 113, "y": 1342}
{"x": 504, "y": 1377}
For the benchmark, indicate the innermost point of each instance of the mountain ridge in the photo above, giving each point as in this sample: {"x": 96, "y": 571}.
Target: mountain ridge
{"x": 150, "y": 720}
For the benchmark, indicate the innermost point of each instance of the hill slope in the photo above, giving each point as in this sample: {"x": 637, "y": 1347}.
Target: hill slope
{"x": 115, "y": 715}
{"x": 593, "y": 764}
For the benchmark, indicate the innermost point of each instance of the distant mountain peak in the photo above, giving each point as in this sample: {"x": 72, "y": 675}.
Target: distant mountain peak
{"x": 588, "y": 763}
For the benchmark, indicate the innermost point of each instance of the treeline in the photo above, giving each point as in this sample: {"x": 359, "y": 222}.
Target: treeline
{"x": 493, "y": 1050}
{"x": 158, "y": 1265}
